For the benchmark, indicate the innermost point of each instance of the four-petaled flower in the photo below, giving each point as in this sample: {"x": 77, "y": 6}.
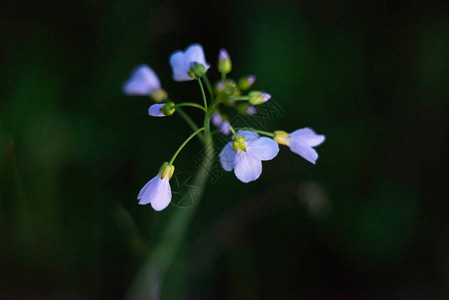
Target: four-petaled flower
{"x": 143, "y": 81}
{"x": 301, "y": 142}
{"x": 246, "y": 153}
{"x": 182, "y": 62}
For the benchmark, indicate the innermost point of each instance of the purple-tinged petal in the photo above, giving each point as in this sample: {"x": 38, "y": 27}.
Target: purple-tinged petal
{"x": 225, "y": 127}
{"x": 265, "y": 96}
{"x": 150, "y": 185}
{"x": 264, "y": 148}
{"x": 307, "y": 152}
{"x": 155, "y": 110}
{"x": 195, "y": 53}
{"x": 179, "y": 66}
{"x": 143, "y": 81}
{"x": 248, "y": 166}
{"x": 307, "y": 136}
{"x": 251, "y": 110}
{"x": 248, "y": 135}
{"x": 223, "y": 54}
{"x": 227, "y": 157}
{"x": 216, "y": 119}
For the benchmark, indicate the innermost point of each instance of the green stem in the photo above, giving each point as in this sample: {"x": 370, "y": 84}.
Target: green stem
{"x": 190, "y": 122}
{"x": 241, "y": 98}
{"x": 191, "y": 105}
{"x": 209, "y": 87}
{"x": 202, "y": 92}
{"x": 258, "y": 131}
{"x": 232, "y": 130}
{"x": 183, "y": 144}
{"x": 223, "y": 76}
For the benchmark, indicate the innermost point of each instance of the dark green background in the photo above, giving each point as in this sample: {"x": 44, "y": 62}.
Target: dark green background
{"x": 373, "y": 76}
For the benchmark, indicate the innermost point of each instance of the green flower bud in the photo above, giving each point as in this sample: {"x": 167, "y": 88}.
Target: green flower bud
{"x": 281, "y": 137}
{"x": 224, "y": 62}
{"x": 166, "y": 169}
{"x": 168, "y": 109}
{"x": 257, "y": 97}
{"x": 246, "y": 82}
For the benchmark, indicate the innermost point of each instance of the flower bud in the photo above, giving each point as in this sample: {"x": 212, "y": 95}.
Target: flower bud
{"x": 158, "y": 95}
{"x": 197, "y": 70}
{"x": 168, "y": 109}
{"x": 239, "y": 143}
{"x": 246, "y": 82}
{"x": 257, "y": 97}
{"x": 281, "y": 137}
{"x": 224, "y": 62}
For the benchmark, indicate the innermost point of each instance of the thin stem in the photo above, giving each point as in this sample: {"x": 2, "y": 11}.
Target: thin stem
{"x": 258, "y": 131}
{"x": 241, "y": 98}
{"x": 183, "y": 144}
{"x": 202, "y": 92}
{"x": 191, "y": 105}
{"x": 209, "y": 87}
{"x": 232, "y": 130}
{"x": 223, "y": 76}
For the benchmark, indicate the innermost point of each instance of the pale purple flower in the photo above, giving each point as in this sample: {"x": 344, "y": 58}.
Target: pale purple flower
{"x": 251, "y": 110}
{"x": 155, "y": 110}
{"x": 217, "y": 119}
{"x": 225, "y": 127}
{"x": 301, "y": 142}
{"x": 157, "y": 192}
{"x": 143, "y": 81}
{"x": 181, "y": 62}
{"x": 247, "y": 159}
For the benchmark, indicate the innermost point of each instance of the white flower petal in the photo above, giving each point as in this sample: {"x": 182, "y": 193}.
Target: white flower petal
{"x": 155, "y": 110}
{"x": 248, "y": 166}
{"x": 307, "y": 136}
{"x": 162, "y": 195}
{"x": 248, "y": 135}
{"x": 264, "y": 148}
{"x": 142, "y": 81}
{"x": 304, "y": 150}
{"x": 195, "y": 53}
{"x": 227, "y": 157}
{"x": 149, "y": 186}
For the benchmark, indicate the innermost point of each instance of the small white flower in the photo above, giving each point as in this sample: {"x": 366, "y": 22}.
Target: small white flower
{"x": 301, "y": 142}
{"x": 157, "y": 191}
{"x": 246, "y": 153}
{"x": 181, "y": 62}
{"x": 143, "y": 81}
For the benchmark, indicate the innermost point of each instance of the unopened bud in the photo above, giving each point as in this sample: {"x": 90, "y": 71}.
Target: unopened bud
{"x": 224, "y": 62}
{"x": 246, "y": 82}
{"x": 257, "y": 97}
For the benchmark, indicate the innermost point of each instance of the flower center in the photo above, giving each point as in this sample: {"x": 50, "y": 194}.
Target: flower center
{"x": 239, "y": 144}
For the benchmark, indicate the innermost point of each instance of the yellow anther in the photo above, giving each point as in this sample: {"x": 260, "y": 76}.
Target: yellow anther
{"x": 239, "y": 144}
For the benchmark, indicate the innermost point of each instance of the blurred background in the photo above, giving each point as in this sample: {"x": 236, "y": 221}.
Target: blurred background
{"x": 369, "y": 221}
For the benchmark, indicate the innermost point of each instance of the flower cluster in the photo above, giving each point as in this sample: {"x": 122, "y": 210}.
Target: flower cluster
{"x": 246, "y": 150}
